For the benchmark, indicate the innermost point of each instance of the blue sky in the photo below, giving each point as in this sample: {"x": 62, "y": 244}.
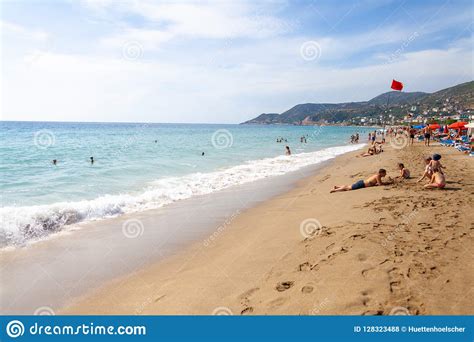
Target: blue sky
{"x": 221, "y": 61}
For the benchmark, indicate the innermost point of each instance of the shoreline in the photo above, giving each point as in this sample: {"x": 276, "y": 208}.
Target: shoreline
{"x": 395, "y": 247}
{"x": 28, "y": 224}
{"x": 77, "y": 261}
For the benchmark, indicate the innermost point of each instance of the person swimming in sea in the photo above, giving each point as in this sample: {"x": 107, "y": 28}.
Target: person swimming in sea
{"x": 373, "y": 180}
{"x": 288, "y": 152}
{"x": 202, "y": 154}
{"x": 55, "y": 162}
{"x": 92, "y": 160}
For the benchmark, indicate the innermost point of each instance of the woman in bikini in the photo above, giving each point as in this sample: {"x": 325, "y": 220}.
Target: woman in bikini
{"x": 437, "y": 181}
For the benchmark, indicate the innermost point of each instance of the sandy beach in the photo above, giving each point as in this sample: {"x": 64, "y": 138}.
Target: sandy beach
{"x": 379, "y": 251}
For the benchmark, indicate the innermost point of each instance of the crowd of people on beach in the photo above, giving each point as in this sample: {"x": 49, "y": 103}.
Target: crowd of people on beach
{"x": 433, "y": 170}
{"x": 455, "y": 134}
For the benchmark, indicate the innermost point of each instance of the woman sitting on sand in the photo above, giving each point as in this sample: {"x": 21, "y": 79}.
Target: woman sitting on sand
{"x": 404, "y": 172}
{"x": 437, "y": 180}
{"x": 428, "y": 170}
{"x": 373, "y": 180}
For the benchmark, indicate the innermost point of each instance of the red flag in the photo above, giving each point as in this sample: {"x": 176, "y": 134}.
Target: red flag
{"x": 397, "y": 85}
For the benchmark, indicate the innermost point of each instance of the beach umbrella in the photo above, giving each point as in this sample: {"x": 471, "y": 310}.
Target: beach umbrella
{"x": 435, "y": 126}
{"x": 457, "y": 125}
{"x": 469, "y": 126}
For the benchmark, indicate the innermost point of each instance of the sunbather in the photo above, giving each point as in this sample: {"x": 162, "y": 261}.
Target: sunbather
{"x": 373, "y": 180}
{"x": 437, "y": 180}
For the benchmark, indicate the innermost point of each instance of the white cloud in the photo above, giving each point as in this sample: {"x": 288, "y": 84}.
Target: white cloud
{"x": 62, "y": 87}
{"x": 217, "y": 20}
{"x": 204, "y": 68}
{"x": 21, "y": 31}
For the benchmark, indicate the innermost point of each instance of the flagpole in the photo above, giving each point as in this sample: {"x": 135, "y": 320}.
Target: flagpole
{"x": 388, "y": 101}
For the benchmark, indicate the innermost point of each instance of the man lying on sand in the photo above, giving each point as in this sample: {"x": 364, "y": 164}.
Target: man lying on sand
{"x": 437, "y": 180}
{"x": 373, "y": 180}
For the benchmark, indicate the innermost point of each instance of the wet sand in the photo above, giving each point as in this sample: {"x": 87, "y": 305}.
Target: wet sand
{"x": 392, "y": 249}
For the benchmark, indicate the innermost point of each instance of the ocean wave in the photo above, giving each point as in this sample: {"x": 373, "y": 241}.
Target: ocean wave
{"x": 29, "y": 223}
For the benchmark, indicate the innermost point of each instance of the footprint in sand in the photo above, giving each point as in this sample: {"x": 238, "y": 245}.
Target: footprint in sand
{"x": 284, "y": 285}
{"x": 307, "y": 289}
{"x": 275, "y": 303}
{"x": 373, "y": 313}
{"x": 357, "y": 237}
{"x": 247, "y": 311}
{"x": 244, "y": 297}
{"x": 326, "y": 177}
{"x": 306, "y": 266}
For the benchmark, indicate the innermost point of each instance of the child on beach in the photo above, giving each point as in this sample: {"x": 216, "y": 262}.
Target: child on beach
{"x": 373, "y": 180}
{"x": 428, "y": 170}
{"x": 435, "y": 163}
{"x": 404, "y": 172}
{"x": 437, "y": 180}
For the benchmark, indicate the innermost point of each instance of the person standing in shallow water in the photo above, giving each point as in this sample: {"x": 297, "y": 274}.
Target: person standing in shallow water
{"x": 92, "y": 160}
{"x": 288, "y": 152}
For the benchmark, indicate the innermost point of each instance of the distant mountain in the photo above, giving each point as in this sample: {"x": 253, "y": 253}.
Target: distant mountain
{"x": 267, "y": 118}
{"x": 339, "y": 113}
{"x": 397, "y": 98}
{"x": 463, "y": 93}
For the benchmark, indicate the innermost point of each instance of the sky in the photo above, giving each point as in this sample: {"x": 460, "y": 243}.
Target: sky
{"x": 221, "y": 61}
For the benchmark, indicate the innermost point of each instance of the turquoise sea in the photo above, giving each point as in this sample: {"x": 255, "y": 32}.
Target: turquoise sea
{"x": 139, "y": 166}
